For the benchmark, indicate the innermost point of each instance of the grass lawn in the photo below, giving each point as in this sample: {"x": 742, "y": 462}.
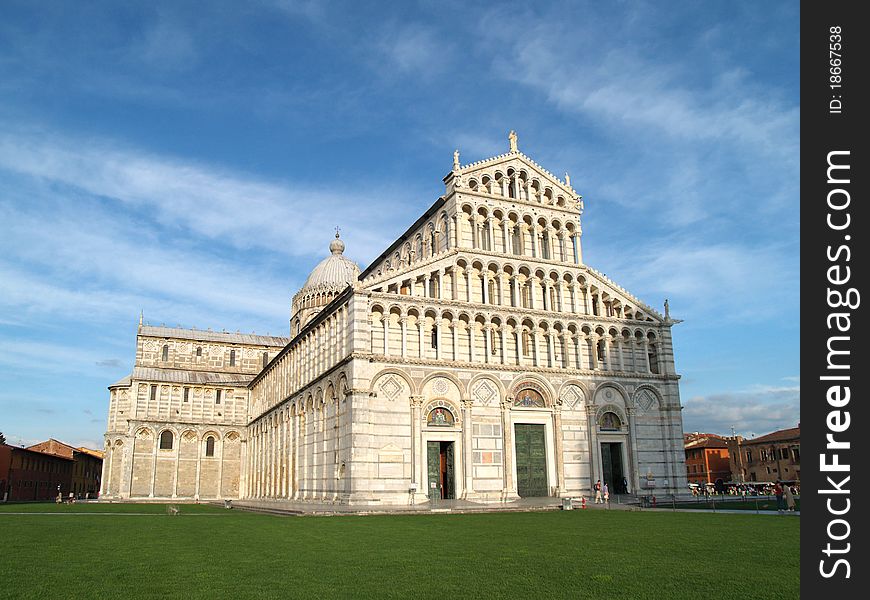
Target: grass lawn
{"x": 209, "y": 552}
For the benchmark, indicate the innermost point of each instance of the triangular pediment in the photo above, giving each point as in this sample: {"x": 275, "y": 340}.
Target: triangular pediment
{"x": 521, "y": 163}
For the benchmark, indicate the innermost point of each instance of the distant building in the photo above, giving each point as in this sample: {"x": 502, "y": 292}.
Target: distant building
{"x": 33, "y": 475}
{"x": 706, "y": 458}
{"x": 770, "y": 457}
{"x": 87, "y": 468}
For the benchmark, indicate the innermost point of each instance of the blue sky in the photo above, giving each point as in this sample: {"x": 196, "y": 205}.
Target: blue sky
{"x": 191, "y": 161}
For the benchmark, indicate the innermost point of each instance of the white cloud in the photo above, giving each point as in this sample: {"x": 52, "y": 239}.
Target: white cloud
{"x": 167, "y": 45}
{"x": 212, "y": 202}
{"x": 756, "y": 411}
{"x": 414, "y": 49}
{"x": 706, "y": 279}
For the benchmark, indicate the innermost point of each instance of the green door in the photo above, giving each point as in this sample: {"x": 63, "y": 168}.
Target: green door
{"x": 448, "y": 452}
{"x": 434, "y": 468}
{"x": 531, "y": 457}
{"x": 611, "y": 466}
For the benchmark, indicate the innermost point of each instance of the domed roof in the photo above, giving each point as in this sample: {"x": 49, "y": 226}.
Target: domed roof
{"x": 336, "y": 271}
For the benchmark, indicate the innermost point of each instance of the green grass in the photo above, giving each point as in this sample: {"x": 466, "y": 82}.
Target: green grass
{"x": 209, "y": 552}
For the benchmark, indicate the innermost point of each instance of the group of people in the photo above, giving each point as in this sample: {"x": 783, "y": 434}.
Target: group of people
{"x": 602, "y": 491}
{"x": 784, "y": 497}
{"x": 71, "y": 499}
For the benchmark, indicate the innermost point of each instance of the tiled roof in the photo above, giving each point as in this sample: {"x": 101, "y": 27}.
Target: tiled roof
{"x": 191, "y": 377}
{"x": 709, "y": 442}
{"x": 94, "y": 453}
{"x": 777, "y": 436}
{"x": 213, "y": 336}
{"x": 121, "y": 382}
{"x": 53, "y": 447}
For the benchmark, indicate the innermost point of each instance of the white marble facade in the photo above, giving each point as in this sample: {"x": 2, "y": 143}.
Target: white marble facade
{"x": 478, "y": 357}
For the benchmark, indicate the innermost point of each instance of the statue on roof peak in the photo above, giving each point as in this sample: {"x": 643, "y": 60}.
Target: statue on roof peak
{"x": 512, "y": 138}
{"x": 456, "y": 160}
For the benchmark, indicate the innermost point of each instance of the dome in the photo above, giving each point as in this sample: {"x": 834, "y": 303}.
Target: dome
{"x": 324, "y": 284}
{"x": 336, "y": 271}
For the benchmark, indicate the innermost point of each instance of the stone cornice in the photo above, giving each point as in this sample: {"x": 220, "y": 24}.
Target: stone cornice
{"x": 455, "y": 364}
{"x": 505, "y": 312}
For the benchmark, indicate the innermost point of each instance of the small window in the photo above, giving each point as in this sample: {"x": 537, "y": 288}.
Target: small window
{"x": 153, "y": 392}
{"x": 217, "y": 397}
{"x": 199, "y": 350}
{"x": 232, "y": 358}
{"x": 165, "y": 352}
{"x": 186, "y": 394}
{"x": 209, "y": 446}
{"x": 166, "y": 440}
{"x": 265, "y": 359}
{"x": 653, "y": 359}
{"x": 434, "y": 336}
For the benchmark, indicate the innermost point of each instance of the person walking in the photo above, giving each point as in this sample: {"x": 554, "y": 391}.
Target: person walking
{"x": 777, "y": 491}
{"x": 624, "y": 485}
{"x": 789, "y": 498}
{"x": 606, "y": 494}
{"x": 597, "y": 487}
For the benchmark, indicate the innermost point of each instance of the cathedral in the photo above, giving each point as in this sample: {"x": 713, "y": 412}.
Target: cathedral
{"x": 478, "y": 357}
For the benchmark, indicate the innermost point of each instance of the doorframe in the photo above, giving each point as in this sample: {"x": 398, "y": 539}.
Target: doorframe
{"x": 534, "y": 417}
{"x": 433, "y": 434}
{"x": 627, "y": 468}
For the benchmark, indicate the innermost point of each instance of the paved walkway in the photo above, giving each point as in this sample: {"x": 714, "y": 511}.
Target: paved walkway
{"x": 290, "y": 507}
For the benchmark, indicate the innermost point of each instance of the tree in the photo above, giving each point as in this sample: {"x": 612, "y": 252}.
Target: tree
{"x": 2, "y": 438}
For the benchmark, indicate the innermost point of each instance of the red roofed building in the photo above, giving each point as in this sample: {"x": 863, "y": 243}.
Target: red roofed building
{"x": 33, "y": 475}
{"x": 769, "y": 457}
{"x": 84, "y": 479}
{"x": 706, "y": 458}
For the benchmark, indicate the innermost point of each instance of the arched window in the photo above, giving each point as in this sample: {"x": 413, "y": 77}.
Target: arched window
{"x": 518, "y": 240}
{"x": 165, "y": 352}
{"x": 653, "y": 359}
{"x": 209, "y": 446}
{"x": 232, "y": 358}
{"x": 434, "y": 337}
{"x": 610, "y": 422}
{"x": 526, "y": 343}
{"x": 511, "y": 191}
{"x": 526, "y": 291}
{"x": 529, "y": 398}
{"x": 199, "y": 350}
{"x": 166, "y": 440}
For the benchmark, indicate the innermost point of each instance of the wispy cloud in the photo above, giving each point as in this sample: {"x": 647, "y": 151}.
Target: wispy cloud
{"x": 212, "y": 202}
{"x": 167, "y": 44}
{"x": 413, "y": 48}
{"x": 110, "y": 363}
{"x": 755, "y": 411}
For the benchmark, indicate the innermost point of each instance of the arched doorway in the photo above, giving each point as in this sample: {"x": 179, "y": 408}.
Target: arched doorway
{"x": 530, "y": 446}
